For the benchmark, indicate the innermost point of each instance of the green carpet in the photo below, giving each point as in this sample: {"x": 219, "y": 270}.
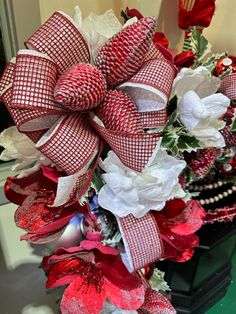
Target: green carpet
{"x": 227, "y": 305}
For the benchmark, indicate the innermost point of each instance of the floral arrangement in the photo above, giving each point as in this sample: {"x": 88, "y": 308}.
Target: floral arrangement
{"x": 121, "y": 145}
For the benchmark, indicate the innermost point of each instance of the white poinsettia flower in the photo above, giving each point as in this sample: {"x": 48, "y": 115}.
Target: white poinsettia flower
{"x": 201, "y": 117}
{"x": 19, "y": 147}
{"x": 97, "y": 28}
{"x": 199, "y": 80}
{"x": 129, "y": 192}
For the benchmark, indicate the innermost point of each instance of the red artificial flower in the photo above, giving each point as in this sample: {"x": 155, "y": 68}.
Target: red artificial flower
{"x": 35, "y": 194}
{"x": 160, "y": 38}
{"x": 91, "y": 278}
{"x": 195, "y": 13}
{"x": 185, "y": 59}
{"x": 178, "y": 222}
{"x": 133, "y": 13}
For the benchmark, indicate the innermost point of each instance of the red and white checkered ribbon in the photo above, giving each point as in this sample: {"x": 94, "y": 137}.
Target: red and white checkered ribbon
{"x": 133, "y": 149}
{"x": 150, "y": 87}
{"x": 228, "y": 86}
{"x": 61, "y": 40}
{"x": 153, "y": 119}
{"x": 142, "y": 241}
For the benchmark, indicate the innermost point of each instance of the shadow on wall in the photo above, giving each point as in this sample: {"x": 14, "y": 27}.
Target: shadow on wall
{"x": 168, "y": 22}
{"x": 23, "y": 290}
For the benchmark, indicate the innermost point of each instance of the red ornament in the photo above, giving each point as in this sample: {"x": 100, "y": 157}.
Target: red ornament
{"x": 119, "y": 113}
{"x": 123, "y": 55}
{"x": 224, "y": 64}
{"x": 81, "y": 87}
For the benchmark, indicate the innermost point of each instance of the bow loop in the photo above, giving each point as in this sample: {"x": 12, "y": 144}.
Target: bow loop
{"x": 60, "y": 38}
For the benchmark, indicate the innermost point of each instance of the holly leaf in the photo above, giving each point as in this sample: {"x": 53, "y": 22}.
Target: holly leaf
{"x": 168, "y": 141}
{"x": 199, "y": 43}
{"x": 188, "y": 174}
{"x": 233, "y": 128}
{"x": 188, "y": 142}
{"x": 210, "y": 63}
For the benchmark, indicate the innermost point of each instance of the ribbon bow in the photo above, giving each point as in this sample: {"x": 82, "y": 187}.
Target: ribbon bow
{"x": 125, "y": 92}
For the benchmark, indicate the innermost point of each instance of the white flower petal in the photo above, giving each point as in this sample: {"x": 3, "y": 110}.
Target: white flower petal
{"x": 130, "y": 192}
{"x": 200, "y": 80}
{"x": 216, "y": 104}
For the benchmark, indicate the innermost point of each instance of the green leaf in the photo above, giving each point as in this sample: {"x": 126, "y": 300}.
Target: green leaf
{"x": 158, "y": 282}
{"x": 124, "y": 15}
{"x": 199, "y": 43}
{"x": 210, "y": 63}
{"x": 168, "y": 141}
{"x": 97, "y": 181}
{"x": 188, "y": 174}
{"x": 233, "y": 128}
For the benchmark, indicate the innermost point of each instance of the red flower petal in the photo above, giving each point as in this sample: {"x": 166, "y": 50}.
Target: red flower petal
{"x": 173, "y": 208}
{"x": 115, "y": 271}
{"x": 52, "y": 173}
{"x": 17, "y": 190}
{"x": 42, "y": 238}
{"x": 180, "y": 242}
{"x": 190, "y": 220}
{"x": 122, "y": 298}
{"x": 160, "y": 38}
{"x": 156, "y": 303}
{"x": 133, "y": 13}
{"x": 64, "y": 272}
{"x": 185, "y": 59}
{"x": 85, "y": 295}
{"x": 91, "y": 245}
{"x": 35, "y": 216}
{"x": 178, "y": 256}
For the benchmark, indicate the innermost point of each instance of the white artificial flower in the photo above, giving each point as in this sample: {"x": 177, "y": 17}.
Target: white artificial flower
{"x": 199, "y": 80}
{"x": 130, "y": 192}
{"x": 201, "y": 117}
{"x": 19, "y": 147}
{"x": 99, "y": 28}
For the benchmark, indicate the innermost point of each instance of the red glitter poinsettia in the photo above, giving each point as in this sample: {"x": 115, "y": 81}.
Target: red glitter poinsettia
{"x": 92, "y": 277}
{"x": 34, "y": 194}
{"x": 178, "y": 222}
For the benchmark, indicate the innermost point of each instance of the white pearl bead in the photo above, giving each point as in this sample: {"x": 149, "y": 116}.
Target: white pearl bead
{"x": 220, "y": 183}
{"x": 225, "y": 193}
{"x": 230, "y": 191}
{"x": 216, "y": 198}
{"x": 234, "y": 188}
{"x": 207, "y": 201}
{"x": 211, "y": 200}
{"x": 202, "y": 202}
{"x": 220, "y": 196}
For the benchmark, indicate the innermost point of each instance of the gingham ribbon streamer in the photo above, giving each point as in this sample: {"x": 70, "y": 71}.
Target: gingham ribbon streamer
{"x": 142, "y": 241}
{"x": 228, "y": 86}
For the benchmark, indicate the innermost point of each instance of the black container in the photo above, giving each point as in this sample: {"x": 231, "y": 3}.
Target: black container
{"x": 201, "y": 282}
